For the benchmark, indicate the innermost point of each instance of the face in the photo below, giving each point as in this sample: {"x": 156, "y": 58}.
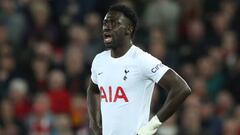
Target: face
{"x": 116, "y": 29}
{"x": 56, "y": 79}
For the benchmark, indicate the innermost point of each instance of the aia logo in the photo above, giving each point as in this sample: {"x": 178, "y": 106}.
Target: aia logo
{"x": 113, "y": 97}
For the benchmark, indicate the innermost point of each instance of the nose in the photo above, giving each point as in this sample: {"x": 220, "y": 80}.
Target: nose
{"x": 107, "y": 27}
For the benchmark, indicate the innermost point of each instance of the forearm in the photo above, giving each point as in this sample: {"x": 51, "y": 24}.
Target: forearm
{"x": 93, "y": 108}
{"x": 174, "y": 100}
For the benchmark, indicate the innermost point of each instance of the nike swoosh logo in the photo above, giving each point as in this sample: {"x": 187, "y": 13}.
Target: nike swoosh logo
{"x": 100, "y": 73}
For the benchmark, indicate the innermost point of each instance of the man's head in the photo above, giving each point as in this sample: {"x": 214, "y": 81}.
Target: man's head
{"x": 119, "y": 25}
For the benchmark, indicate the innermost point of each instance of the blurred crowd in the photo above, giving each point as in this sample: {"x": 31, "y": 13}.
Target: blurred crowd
{"x": 47, "y": 47}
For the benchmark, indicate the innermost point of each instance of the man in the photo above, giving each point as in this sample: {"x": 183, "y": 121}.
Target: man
{"x": 124, "y": 77}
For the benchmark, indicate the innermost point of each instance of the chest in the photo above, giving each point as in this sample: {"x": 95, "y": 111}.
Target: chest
{"x": 118, "y": 80}
{"x": 118, "y": 74}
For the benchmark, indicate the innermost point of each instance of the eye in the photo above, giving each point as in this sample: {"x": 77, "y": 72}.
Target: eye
{"x": 104, "y": 23}
{"x": 113, "y": 23}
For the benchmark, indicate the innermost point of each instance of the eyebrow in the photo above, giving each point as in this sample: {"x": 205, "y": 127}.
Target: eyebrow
{"x": 108, "y": 17}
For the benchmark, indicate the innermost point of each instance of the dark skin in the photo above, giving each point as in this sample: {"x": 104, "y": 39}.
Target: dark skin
{"x": 120, "y": 29}
{"x": 93, "y": 100}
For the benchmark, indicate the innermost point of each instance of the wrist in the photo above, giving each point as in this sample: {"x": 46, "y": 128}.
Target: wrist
{"x": 155, "y": 122}
{"x": 151, "y": 127}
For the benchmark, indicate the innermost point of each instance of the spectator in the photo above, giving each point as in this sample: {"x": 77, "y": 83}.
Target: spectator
{"x": 233, "y": 83}
{"x": 193, "y": 46}
{"x": 13, "y": 20}
{"x": 43, "y": 48}
{"x": 41, "y": 25}
{"x": 157, "y": 45}
{"x": 191, "y": 122}
{"x": 78, "y": 112}
{"x": 237, "y": 116}
{"x": 75, "y": 70}
{"x": 3, "y": 35}
{"x": 199, "y": 88}
{"x": 230, "y": 48}
{"x": 211, "y": 124}
{"x": 57, "y": 92}
{"x": 40, "y": 67}
{"x": 41, "y": 120}
{"x": 94, "y": 28}
{"x": 93, "y": 24}
{"x": 224, "y": 104}
{"x": 208, "y": 70}
{"x": 230, "y": 127}
{"x": 62, "y": 125}
{"x": 163, "y": 14}
{"x": 78, "y": 35}
{"x": 188, "y": 71}
{"x": 9, "y": 125}
{"x": 7, "y": 68}
{"x": 18, "y": 90}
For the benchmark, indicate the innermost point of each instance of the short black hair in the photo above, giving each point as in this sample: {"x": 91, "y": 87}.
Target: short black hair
{"x": 128, "y": 12}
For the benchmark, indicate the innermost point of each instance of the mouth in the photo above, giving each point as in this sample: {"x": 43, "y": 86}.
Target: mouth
{"x": 107, "y": 38}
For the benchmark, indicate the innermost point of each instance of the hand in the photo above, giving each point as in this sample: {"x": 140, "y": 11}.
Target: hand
{"x": 151, "y": 127}
{"x": 146, "y": 130}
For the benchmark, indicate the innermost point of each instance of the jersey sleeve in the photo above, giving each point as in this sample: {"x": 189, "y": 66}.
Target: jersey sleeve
{"x": 93, "y": 71}
{"x": 152, "y": 68}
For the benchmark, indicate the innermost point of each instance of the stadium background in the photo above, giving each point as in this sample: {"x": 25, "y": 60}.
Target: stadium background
{"x": 47, "y": 46}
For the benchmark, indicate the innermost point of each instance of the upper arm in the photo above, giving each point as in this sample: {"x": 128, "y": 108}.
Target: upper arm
{"x": 92, "y": 87}
{"x": 94, "y": 68}
{"x": 152, "y": 68}
{"x": 172, "y": 80}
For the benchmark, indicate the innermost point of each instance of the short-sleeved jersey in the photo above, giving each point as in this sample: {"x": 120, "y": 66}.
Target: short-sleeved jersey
{"x": 126, "y": 85}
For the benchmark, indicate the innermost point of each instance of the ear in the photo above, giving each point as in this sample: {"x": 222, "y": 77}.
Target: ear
{"x": 129, "y": 30}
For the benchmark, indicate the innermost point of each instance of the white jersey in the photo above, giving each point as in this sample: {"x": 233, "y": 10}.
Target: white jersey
{"x": 126, "y": 85}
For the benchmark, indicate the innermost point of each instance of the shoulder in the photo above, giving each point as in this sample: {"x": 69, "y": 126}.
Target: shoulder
{"x": 143, "y": 56}
{"x": 137, "y": 52}
{"x": 101, "y": 56}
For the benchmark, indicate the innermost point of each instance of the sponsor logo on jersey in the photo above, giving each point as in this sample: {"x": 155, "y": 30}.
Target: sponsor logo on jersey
{"x": 100, "y": 73}
{"x": 113, "y": 97}
{"x": 156, "y": 68}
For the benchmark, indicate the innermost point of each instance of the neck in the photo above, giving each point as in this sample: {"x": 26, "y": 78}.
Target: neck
{"x": 121, "y": 50}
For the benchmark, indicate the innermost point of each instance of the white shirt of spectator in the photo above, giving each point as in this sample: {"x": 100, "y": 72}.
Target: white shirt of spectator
{"x": 126, "y": 86}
